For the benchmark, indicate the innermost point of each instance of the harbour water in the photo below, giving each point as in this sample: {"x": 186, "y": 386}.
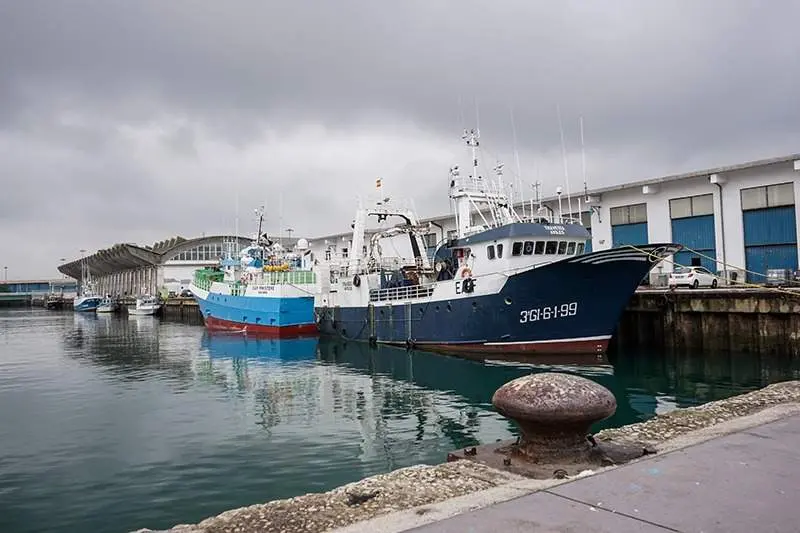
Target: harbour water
{"x": 109, "y": 424}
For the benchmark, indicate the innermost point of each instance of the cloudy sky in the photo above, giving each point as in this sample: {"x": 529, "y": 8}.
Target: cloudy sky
{"x": 133, "y": 121}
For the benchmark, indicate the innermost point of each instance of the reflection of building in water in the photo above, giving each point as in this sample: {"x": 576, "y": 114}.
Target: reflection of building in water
{"x": 296, "y": 387}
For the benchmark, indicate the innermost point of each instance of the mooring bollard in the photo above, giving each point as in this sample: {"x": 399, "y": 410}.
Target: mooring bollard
{"x": 554, "y": 412}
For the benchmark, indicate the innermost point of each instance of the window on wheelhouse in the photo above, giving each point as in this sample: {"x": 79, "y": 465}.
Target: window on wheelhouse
{"x": 528, "y": 250}
{"x": 490, "y": 251}
{"x": 516, "y": 248}
{"x": 344, "y": 253}
{"x": 562, "y": 247}
{"x": 499, "y": 250}
{"x": 551, "y": 248}
{"x": 581, "y": 246}
{"x": 571, "y": 248}
{"x": 539, "y": 247}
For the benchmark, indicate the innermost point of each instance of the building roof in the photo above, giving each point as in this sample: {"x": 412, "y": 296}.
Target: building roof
{"x": 633, "y": 184}
{"x": 122, "y": 257}
{"x": 698, "y": 173}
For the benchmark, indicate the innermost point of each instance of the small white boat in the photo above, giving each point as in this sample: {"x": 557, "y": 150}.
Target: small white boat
{"x": 108, "y": 305}
{"x": 145, "y": 305}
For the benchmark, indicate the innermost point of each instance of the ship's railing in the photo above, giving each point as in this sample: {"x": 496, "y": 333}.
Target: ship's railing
{"x": 400, "y": 293}
{"x": 292, "y": 277}
{"x": 202, "y": 283}
{"x": 551, "y": 219}
{"x": 477, "y": 186}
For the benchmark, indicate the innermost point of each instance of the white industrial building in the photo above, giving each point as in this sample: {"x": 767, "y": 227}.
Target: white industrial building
{"x": 739, "y": 220}
{"x": 744, "y": 216}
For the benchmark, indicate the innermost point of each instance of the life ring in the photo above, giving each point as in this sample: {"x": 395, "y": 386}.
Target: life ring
{"x": 356, "y": 281}
{"x": 466, "y": 272}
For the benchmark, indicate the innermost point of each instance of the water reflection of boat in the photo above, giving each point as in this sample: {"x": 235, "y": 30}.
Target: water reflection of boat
{"x": 468, "y": 378}
{"x": 230, "y": 345}
{"x": 142, "y": 323}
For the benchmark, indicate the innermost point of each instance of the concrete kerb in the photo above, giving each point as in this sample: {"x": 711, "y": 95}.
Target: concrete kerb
{"x": 422, "y": 494}
{"x": 404, "y": 520}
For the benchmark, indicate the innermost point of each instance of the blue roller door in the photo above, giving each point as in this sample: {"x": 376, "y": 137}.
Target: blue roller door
{"x": 770, "y": 240}
{"x": 696, "y": 233}
{"x": 629, "y": 234}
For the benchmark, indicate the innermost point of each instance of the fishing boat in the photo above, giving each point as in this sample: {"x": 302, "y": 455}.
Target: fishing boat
{"x": 87, "y": 300}
{"x": 503, "y": 283}
{"x": 266, "y": 290}
{"x": 108, "y": 305}
{"x": 146, "y": 304}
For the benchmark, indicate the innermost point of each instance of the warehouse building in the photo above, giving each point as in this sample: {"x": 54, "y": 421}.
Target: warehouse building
{"x": 166, "y": 266}
{"x": 740, "y": 220}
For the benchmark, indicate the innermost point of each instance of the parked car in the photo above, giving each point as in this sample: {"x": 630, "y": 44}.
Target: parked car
{"x": 693, "y": 277}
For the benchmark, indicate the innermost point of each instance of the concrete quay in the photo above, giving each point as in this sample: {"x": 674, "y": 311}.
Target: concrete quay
{"x": 724, "y": 319}
{"x": 725, "y": 466}
{"x": 739, "y": 483}
{"x": 755, "y": 320}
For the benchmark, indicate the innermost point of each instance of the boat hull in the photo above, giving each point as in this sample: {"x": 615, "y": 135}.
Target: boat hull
{"x": 570, "y": 306}
{"x": 86, "y": 303}
{"x": 144, "y": 310}
{"x": 261, "y": 315}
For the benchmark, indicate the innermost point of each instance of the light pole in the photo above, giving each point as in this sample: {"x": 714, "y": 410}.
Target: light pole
{"x": 83, "y": 266}
{"x": 289, "y": 231}
{"x": 5, "y": 273}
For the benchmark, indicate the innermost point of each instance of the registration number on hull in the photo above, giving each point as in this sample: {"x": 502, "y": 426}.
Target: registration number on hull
{"x": 548, "y": 312}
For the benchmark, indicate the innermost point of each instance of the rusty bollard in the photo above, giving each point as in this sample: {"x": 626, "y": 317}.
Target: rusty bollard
{"x": 554, "y": 412}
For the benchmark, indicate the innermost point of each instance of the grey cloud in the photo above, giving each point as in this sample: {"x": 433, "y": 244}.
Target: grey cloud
{"x": 628, "y": 64}
{"x": 663, "y": 87}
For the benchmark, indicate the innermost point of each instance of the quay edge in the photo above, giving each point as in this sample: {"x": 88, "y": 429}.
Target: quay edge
{"x": 418, "y": 495}
{"x": 717, "y": 320}
{"x": 744, "y": 320}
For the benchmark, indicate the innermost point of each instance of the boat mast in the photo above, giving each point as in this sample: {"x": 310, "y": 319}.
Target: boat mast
{"x": 564, "y": 157}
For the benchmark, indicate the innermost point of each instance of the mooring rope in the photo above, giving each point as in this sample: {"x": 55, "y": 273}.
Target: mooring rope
{"x": 737, "y": 282}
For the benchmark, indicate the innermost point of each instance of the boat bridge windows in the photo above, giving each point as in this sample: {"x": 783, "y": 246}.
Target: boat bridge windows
{"x": 519, "y": 248}
{"x": 494, "y": 251}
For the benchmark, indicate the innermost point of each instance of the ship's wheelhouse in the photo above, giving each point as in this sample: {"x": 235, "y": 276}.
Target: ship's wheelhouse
{"x": 513, "y": 247}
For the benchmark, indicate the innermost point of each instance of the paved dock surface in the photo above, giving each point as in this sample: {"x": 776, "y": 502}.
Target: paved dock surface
{"x": 743, "y": 482}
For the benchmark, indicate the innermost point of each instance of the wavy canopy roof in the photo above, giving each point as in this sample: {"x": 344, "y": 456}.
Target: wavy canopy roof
{"x": 122, "y": 257}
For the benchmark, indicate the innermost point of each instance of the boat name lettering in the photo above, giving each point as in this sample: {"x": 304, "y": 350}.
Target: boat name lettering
{"x": 555, "y": 230}
{"x": 548, "y": 312}
{"x": 460, "y": 285}
{"x": 347, "y": 285}
{"x": 263, "y": 289}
